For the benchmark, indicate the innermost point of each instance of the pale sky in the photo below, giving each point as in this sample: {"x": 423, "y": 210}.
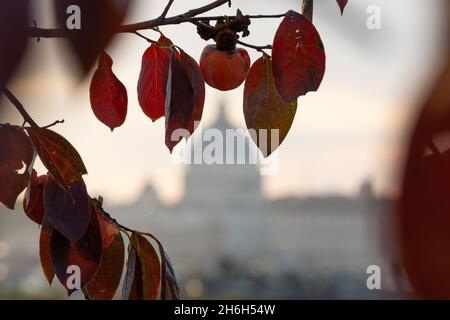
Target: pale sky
{"x": 353, "y": 128}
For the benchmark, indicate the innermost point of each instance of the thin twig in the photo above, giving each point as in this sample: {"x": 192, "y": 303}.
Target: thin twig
{"x": 166, "y": 9}
{"x": 189, "y": 16}
{"x": 19, "y": 106}
{"x": 53, "y": 123}
{"x": 258, "y": 48}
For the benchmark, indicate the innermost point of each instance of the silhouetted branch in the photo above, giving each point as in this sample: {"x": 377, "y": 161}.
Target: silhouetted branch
{"x": 190, "y": 16}
{"x": 19, "y": 106}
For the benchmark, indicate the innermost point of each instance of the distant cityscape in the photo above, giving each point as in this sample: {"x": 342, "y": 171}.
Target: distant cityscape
{"x": 227, "y": 241}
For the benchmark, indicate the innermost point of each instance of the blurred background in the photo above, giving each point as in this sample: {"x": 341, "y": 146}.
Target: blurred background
{"x": 309, "y": 231}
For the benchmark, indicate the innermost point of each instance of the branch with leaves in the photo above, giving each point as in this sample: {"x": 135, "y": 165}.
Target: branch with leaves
{"x": 75, "y": 228}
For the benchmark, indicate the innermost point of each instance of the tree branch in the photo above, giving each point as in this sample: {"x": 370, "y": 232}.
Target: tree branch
{"x": 258, "y": 48}
{"x": 166, "y": 9}
{"x": 19, "y": 107}
{"x": 189, "y": 16}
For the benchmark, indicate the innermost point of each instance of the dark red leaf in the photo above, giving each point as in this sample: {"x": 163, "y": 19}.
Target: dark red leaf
{"x": 423, "y": 217}
{"x": 108, "y": 227}
{"x": 180, "y": 107}
{"x": 342, "y": 4}
{"x": 108, "y": 95}
{"x": 59, "y": 157}
{"x": 107, "y": 279}
{"x": 143, "y": 271}
{"x": 14, "y": 22}
{"x": 68, "y": 211}
{"x": 100, "y": 20}
{"x": 151, "y": 269}
{"x": 16, "y": 152}
{"x": 64, "y": 255}
{"x": 33, "y": 201}
{"x": 264, "y": 109}
{"x": 45, "y": 250}
{"x": 153, "y": 79}
{"x": 90, "y": 246}
{"x": 133, "y": 265}
{"x": 298, "y": 57}
{"x": 195, "y": 76}
{"x": 172, "y": 291}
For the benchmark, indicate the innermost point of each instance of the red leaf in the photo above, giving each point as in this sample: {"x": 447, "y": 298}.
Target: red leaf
{"x": 153, "y": 79}
{"x": 144, "y": 271}
{"x": 298, "y": 57}
{"x": 45, "y": 250}
{"x": 64, "y": 255}
{"x": 90, "y": 246}
{"x": 33, "y": 201}
{"x": 264, "y": 109}
{"x": 342, "y": 4}
{"x": 68, "y": 211}
{"x": 423, "y": 218}
{"x": 129, "y": 291}
{"x": 99, "y": 22}
{"x": 151, "y": 269}
{"x": 14, "y": 22}
{"x": 108, "y": 227}
{"x": 170, "y": 289}
{"x": 195, "y": 76}
{"x": 107, "y": 279}
{"x": 108, "y": 95}
{"x": 180, "y": 107}
{"x": 16, "y": 152}
{"x": 58, "y": 155}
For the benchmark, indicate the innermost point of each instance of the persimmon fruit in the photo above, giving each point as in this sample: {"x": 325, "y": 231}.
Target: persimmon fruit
{"x": 224, "y": 69}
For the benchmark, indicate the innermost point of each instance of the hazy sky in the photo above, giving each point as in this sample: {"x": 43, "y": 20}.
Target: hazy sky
{"x": 353, "y": 128}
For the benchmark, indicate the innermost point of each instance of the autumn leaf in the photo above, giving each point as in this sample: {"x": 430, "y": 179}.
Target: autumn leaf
{"x": 342, "y": 4}
{"x": 195, "y": 76}
{"x": 180, "y": 106}
{"x": 90, "y": 246}
{"x": 104, "y": 284}
{"x": 298, "y": 57}
{"x": 33, "y": 201}
{"x": 147, "y": 271}
{"x": 68, "y": 211}
{"x": 99, "y": 21}
{"x": 153, "y": 79}
{"x": 264, "y": 109}
{"x": 16, "y": 155}
{"x": 108, "y": 95}
{"x": 59, "y": 157}
{"x": 45, "y": 254}
{"x": 64, "y": 255}
{"x": 130, "y": 291}
{"x": 423, "y": 218}
{"x": 109, "y": 228}
{"x": 170, "y": 290}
